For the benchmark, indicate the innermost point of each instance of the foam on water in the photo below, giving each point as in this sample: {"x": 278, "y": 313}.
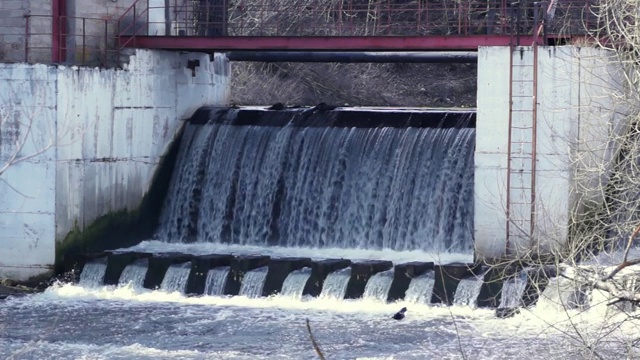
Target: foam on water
{"x": 159, "y": 247}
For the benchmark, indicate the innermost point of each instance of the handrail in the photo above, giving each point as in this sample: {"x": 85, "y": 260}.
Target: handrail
{"x": 88, "y": 41}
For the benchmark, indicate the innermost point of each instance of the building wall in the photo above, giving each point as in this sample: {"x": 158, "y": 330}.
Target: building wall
{"x": 574, "y": 126}
{"x": 97, "y": 137}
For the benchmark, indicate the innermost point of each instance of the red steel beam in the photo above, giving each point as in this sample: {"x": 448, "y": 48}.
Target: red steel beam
{"x": 322, "y": 43}
{"x": 58, "y": 30}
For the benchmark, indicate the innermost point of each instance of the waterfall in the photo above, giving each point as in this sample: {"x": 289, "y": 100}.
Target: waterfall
{"x": 369, "y": 188}
{"x": 421, "y": 288}
{"x": 134, "y": 274}
{"x": 513, "y": 291}
{"x": 253, "y": 282}
{"x": 175, "y": 279}
{"x": 468, "y": 291}
{"x": 295, "y": 282}
{"x": 378, "y": 286}
{"x": 216, "y": 281}
{"x": 92, "y": 274}
{"x": 335, "y": 285}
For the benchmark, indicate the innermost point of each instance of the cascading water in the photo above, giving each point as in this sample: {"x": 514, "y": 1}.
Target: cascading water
{"x": 368, "y": 188}
{"x": 175, "y": 279}
{"x": 92, "y": 274}
{"x": 253, "y": 282}
{"x": 335, "y": 285}
{"x": 134, "y": 274}
{"x": 216, "y": 280}
{"x": 512, "y": 292}
{"x": 468, "y": 291}
{"x": 421, "y": 288}
{"x": 378, "y": 286}
{"x": 295, "y": 282}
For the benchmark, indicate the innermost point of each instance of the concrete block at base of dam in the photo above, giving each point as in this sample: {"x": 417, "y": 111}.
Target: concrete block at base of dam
{"x": 158, "y": 266}
{"x": 319, "y": 271}
{"x": 200, "y": 267}
{"x": 402, "y": 276}
{"x": 361, "y": 272}
{"x": 491, "y": 289}
{"x": 279, "y": 269}
{"x": 447, "y": 278}
{"x": 240, "y": 266}
{"x": 117, "y": 263}
{"x": 75, "y": 264}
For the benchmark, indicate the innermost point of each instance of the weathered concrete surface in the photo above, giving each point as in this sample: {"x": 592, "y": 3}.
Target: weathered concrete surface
{"x": 447, "y": 278}
{"x": 200, "y": 267}
{"x": 574, "y": 121}
{"x": 92, "y": 141}
{"x": 361, "y": 272}
{"x": 279, "y": 269}
{"x": 240, "y": 266}
{"x": 402, "y": 276}
{"x": 319, "y": 271}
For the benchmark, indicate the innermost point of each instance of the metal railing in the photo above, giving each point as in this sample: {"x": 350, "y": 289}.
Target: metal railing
{"x": 77, "y": 41}
{"x": 344, "y": 17}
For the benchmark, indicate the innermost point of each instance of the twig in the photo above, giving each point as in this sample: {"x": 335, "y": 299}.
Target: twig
{"x": 314, "y": 343}
{"x": 625, "y": 262}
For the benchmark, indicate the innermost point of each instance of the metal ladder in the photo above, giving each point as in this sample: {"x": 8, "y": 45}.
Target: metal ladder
{"x": 521, "y": 162}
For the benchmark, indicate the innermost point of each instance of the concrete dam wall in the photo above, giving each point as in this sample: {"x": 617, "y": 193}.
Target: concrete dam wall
{"x": 82, "y": 143}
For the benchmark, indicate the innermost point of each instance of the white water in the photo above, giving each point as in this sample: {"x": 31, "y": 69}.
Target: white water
{"x": 512, "y": 292}
{"x": 335, "y": 285}
{"x": 125, "y": 323}
{"x": 331, "y": 187}
{"x": 134, "y": 274}
{"x": 175, "y": 279}
{"x": 421, "y": 289}
{"x": 216, "y": 280}
{"x": 295, "y": 282}
{"x": 378, "y": 286}
{"x": 253, "y": 282}
{"x": 397, "y": 257}
{"x": 93, "y": 273}
{"x": 468, "y": 291}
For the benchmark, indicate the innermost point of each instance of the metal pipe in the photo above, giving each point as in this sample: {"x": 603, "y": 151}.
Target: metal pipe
{"x": 464, "y": 57}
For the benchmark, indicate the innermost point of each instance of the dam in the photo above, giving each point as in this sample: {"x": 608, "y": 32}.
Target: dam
{"x": 180, "y": 225}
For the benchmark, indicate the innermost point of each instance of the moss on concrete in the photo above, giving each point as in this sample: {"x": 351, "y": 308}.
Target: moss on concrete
{"x": 125, "y": 227}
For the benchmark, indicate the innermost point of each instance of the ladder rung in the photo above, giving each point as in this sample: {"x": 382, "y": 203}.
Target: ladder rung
{"x": 522, "y": 110}
{"x": 522, "y": 96}
{"x": 522, "y": 157}
{"x": 521, "y": 142}
{"x": 522, "y": 127}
